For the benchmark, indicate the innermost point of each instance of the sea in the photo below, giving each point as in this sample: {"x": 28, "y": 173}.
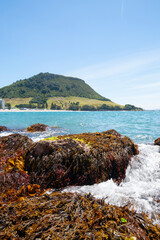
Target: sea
{"x": 140, "y": 190}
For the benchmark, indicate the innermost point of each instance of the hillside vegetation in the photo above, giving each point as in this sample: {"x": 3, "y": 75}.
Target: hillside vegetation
{"x": 56, "y": 92}
{"x": 63, "y": 102}
{"x": 45, "y": 85}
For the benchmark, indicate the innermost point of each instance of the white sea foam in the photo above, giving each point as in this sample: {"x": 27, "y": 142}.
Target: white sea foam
{"x": 3, "y": 134}
{"x": 36, "y": 136}
{"x": 141, "y": 187}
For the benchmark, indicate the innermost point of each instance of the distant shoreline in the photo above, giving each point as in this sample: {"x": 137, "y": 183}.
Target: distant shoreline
{"x": 49, "y": 110}
{"x": 35, "y": 110}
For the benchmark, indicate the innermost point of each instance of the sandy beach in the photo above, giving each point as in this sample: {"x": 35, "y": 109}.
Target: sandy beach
{"x": 34, "y": 110}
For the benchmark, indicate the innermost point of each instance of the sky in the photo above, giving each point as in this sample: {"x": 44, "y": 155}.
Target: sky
{"x": 114, "y": 45}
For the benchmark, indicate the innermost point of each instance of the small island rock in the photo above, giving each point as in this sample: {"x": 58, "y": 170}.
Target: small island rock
{"x": 37, "y": 128}
{"x": 3, "y": 128}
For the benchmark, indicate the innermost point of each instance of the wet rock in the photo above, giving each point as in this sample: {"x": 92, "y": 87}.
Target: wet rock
{"x": 113, "y": 132}
{"x": 14, "y": 143}
{"x": 157, "y": 141}
{"x": 79, "y": 159}
{"x": 12, "y": 174}
{"x": 72, "y": 216}
{"x": 37, "y": 128}
{"x": 3, "y": 128}
{"x": 11, "y": 182}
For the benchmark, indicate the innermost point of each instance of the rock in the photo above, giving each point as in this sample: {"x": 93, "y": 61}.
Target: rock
{"x": 157, "y": 141}
{"x": 79, "y": 159}
{"x": 72, "y": 216}
{"x": 3, "y": 128}
{"x": 37, "y": 128}
{"x": 113, "y": 132}
{"x": 13, "y": 143}
{"x": 12, "y": 174}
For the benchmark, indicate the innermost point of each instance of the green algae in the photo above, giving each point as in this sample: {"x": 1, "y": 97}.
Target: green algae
{"x": 76, "y": 139}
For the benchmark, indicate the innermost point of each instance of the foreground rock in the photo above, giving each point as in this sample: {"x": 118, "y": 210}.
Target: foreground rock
{"x": 157, "y": 142}
{"x": 79, "y": 159}
{"x": 37, "y": 128}
{"x": 3, "y": 128}
{"x": 12, "y": 174}
{"x": 71, "y": 216}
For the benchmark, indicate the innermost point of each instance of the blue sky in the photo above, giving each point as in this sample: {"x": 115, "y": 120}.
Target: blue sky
{"x": 114, "y": 45}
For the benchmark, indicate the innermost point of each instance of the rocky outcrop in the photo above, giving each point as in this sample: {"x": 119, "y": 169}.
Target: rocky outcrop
{"x": 61, "y": 161}
{"x": 3, "y": 128}
{"x": 37, "y": 128}
{"x": 79, "y": 159}
{"x": 72, "y": 216}
{"x": 157, "y": 142}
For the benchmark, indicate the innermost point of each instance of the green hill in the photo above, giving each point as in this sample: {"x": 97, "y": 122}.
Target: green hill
{"x": 52, "y": 91}
{"x": 45, "y": 85}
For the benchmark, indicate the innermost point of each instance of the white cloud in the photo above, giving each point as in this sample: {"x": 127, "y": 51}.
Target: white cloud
{"x": 126, "y": 66}
{"x": 146, "y": 77}
{"x": 151, "y": 85}
{"x": 136, "y": 75}
{"x": 146, "y": 101}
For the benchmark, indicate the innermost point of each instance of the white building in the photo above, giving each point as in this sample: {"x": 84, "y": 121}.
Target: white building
{"x": 2, "y": 104}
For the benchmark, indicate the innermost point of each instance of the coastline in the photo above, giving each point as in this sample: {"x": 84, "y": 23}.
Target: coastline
{"x": 49, "y": 110}
{"x": 35, "y": 110}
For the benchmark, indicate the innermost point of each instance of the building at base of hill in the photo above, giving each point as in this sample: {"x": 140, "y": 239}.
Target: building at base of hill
{"x": 2, "y": 104}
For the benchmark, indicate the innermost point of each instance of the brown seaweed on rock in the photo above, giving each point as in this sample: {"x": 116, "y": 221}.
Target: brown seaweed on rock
{"x": 79, "y": 159}
{"x": 3, "y": 128}
{"x": 12, "y": 151}
{"x": 12, "y": 174}
{"x": 37, "y": 128}
{"x": 73, "y": 217}
{"x": 157, "y": 142}
{"x": 14, "y": 143}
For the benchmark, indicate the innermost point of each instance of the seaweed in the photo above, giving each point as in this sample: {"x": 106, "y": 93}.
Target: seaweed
{"x": 72, "y": 216}
{"x": 27, "y": 169}
{"x": 12, "y": 174}
{"x": 37, "y": 128}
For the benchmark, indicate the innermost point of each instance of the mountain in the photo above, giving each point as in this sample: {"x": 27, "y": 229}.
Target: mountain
{"x": 45, "y": 85}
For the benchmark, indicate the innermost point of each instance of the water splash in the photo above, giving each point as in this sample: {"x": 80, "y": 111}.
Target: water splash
{"x": 140, "y": 189}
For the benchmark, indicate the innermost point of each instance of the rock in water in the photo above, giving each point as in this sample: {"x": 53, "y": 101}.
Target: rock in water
{"x": 3, "y": 128}
{"x": 80, "y": 159}
{"x": 37, "y": 128}
{"x": 157, "y": 141}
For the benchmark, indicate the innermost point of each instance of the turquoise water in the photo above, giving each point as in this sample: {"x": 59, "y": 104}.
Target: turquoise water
{"x": 141, "y": 127}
